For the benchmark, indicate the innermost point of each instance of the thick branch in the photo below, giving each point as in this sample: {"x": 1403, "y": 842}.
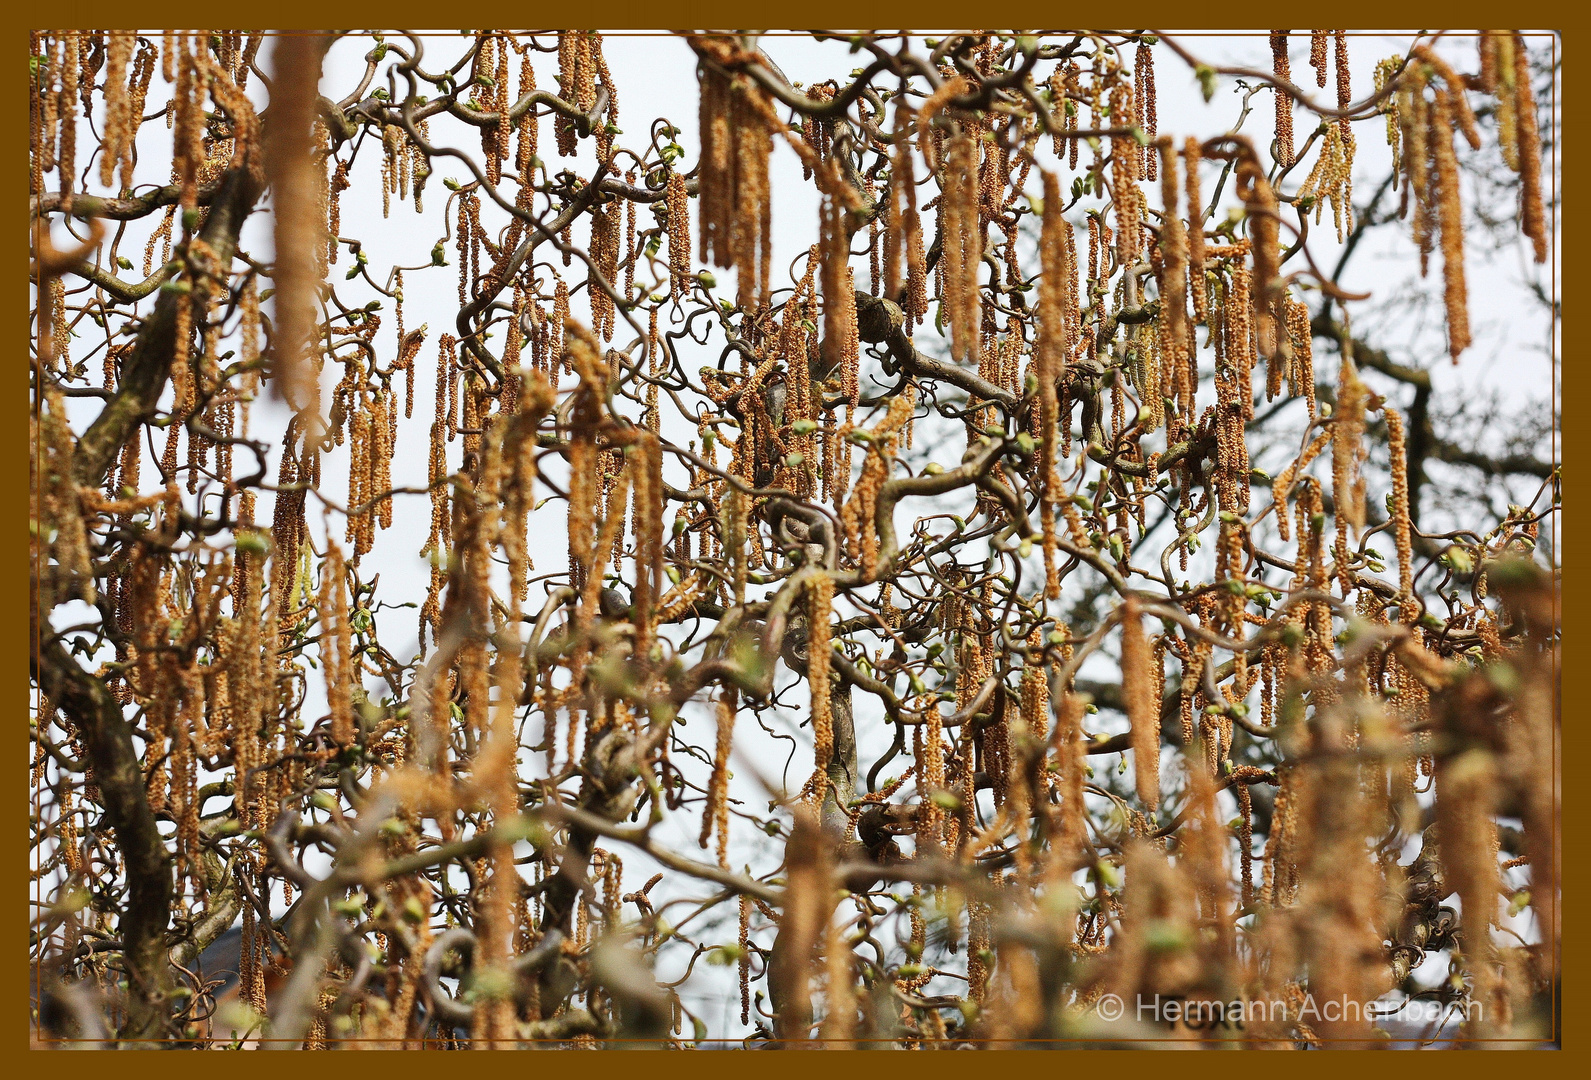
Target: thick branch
{"x": 147, "y": 365}
{"x": 108, "y": 743}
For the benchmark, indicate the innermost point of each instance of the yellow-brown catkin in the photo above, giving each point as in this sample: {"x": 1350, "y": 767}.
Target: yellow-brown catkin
{"x": 840, "y": 342}
{"x": 605, "y": 231}
{"x": 300, "y": 221}
{"x": 858, "y": 515}
{"x": 1331, "y": 181}
{"x": 1401, "y": 526}
{"x": 1049, "y": 353}
{"x": 1533, "y": 219}
{"x": 1124, "y": 178}
{"x": 962, "y": 234}
{"x": 1260, "y": 201}
{"x": 360, "y": 438}
{"x": 1069, "y": 817}
{"x": 66, "y": 157}
{"x": 1190, "y": 160}
{"x": 1450, "y": 215}
{"x": 906, "y": 239}
{"x": 734, "y": 217}
{"x": 1174, "y": 273}
{"x": 1144, "y": 104}
{"x": 1414, "y": 125}
{"x": 839, "y": 1020}
{"x": 1466, "y": 799}
{"x": 752, "y": 240}
{"x": 679, "y": 236}
{"x": 1455, "y": 88}
{"x": 337, "y": 644}
{"x": 1346, "y": 438}
{"x": 44, "y": 108}
{"x": 1317, "y": 55}
{"x": 576, "y": 83}
{"x": 820, "y": 605}
{"x": 529, "y": 127}
{"x": 716, "y": 191}
{"x": 1139, "y": 687}
{"x": 385, "y": 417}
{"x": 1284, "y": 101}
{"x": 715, "y": 815}
{"x": 1386, "y": 71}
{"x": 745, "y": 958}
{"x": 1301, "y": 374}
{"x": 1344, "y": 80}
{"x": 119, "y": 123}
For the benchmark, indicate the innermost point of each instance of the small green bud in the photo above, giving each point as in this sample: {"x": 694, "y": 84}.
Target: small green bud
{"x": 252, "y": 542}
{"x": 1459, "y": 560}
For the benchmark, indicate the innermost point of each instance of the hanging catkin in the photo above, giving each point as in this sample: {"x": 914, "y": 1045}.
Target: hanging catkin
{"x": 840, "y": 341}
{"x": 1174, "y": 274}
{"x": 1124, "y": 175}
{"x": 1144, "y": 111}
{"x": 679, "y": 236}
{"x": 734, "y": 216}
{"x": 336, "y": 644}
{"x": 120, "y": 124}
{"x": 1191, "y": 153}
{"x": 1284, "y": 101}
{"x": 715, "y": 814}
{"x": 904, "y": 239}
{"x": 962, "y": 235}
{"x": 1141, "y": 689}
{"x": 576, "y": 84}
{"x": 1533, "y": 219}
{"x": 820, "y": 602}
{"x": 1050, "y": 352}
{"x": 300, "y": 221}
{"x": 1402, "y": 527}
{"x": 1260, "y": 202}
{"x": 1450, "y": 216}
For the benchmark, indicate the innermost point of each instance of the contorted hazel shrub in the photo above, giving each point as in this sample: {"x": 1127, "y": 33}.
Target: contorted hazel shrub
{"x": 474, "y": 618}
